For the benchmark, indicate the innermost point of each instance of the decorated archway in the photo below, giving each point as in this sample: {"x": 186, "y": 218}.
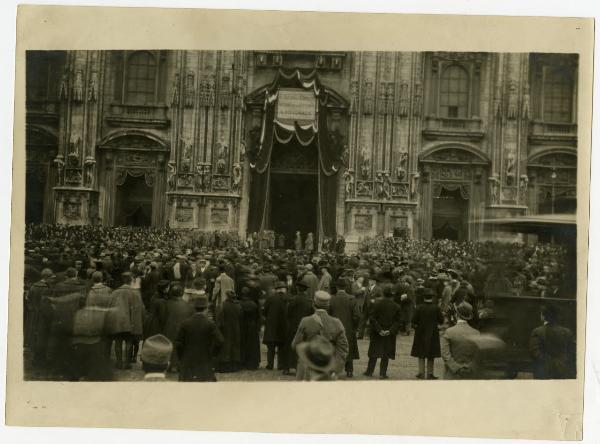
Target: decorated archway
{"x": 293, "y": 120}
{"x": 133, "y": 179}
{"x": 453, "y": 178}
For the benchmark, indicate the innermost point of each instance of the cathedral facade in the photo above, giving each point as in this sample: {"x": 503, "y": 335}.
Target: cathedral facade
{"x": 425, "y": 144}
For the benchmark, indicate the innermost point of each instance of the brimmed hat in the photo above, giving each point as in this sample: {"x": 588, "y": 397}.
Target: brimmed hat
{"x": 280, "y": 284}
{"x": 303, "y": 282}
{"x": 156, "y": 350}
{"x": 200, "y": 301}
{"x": 464, "y": 311}
{"x": 317, "y": 354}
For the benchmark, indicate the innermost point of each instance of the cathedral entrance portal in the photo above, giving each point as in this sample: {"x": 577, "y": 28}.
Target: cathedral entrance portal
{"x": 450, "y": 216}
{"x": 134, "y": 202}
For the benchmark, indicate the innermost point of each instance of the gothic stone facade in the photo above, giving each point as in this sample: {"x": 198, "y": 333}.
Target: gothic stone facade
{"x": 496, "y": 132}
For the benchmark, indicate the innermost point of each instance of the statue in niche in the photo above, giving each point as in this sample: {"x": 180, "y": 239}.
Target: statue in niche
{"x": 60, "y": 167}
{"x": 354, "y": 97}
{"x": 210, "y": 93}
{"x": 368, "y": 99}
{"x": 175, "y": 90}
{"x": 523, "y": 183}
{"x": 512, "y": 101}
{"x": 78, "y": 87}
{"x": 365, "y": 166}
{"x": 336, "y": 141}
{"x": 387, "y": 186}
{"x": 93, "y": 88}
{"x": 401, "y": 168}
{"x": 348, "y": 182}
{"x": 379, "y": 190}
{"x": 414, "y": 185}
{"x": 418, "y": 99}
{"x": 525, "y": 112}
{"x": 498, "y": 99}
{"x": 222, "y": 156}
{"x": 186, "y": 160}
{"x": 189, "y": 89}
{"x": 403, "y": 102}
{"x": 74, "y": 150}
{"x": 236, "y": 179}
{"x": 172, "y": 176}
{"x": 494, "y": 189}
{"x": 63, "y": 91}
{"x": 277, "y": 60}
{"x": 90, "y": 164}
{"x": 511, "y": 164}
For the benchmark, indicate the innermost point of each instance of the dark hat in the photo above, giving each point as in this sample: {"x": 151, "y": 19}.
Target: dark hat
{"x": 280, "y": 284}
{"x": 303, "y": 283}
{"x": 156, "y": 350}
{"x": 428, "y": 293}
{"x": 464, "y": 311}
{"x": 341, "y": 283}
{"x": 317, "y": 354}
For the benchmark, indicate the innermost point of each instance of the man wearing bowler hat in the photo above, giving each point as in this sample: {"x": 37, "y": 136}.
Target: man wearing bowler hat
{"x": 155, "y": 356}
{"x": 198, "y": 343}
{"x": 459, "y": 348}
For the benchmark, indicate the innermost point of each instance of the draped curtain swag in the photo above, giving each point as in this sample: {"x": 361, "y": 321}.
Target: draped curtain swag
{"x": 314, "y": 133}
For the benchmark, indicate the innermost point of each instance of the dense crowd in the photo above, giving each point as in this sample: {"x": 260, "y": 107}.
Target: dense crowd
{"x": 200, "y": 303}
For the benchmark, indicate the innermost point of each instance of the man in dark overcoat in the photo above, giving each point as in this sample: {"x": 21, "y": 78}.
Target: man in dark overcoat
{"x": 229, "y": 321}
{"x": 372, "y": 292}
{"x": 426, "y": 344}
{"x": 198, "y": 343}
{"x": 38, "y": 324}
{"x": 299, "y": 307}
{"x": 275, "y": 312}
{"x": 250, "y": 340}
{"x": 384, "y": 320}
{"x": 344, "y": 307}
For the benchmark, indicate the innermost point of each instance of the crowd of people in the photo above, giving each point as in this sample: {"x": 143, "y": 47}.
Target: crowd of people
{"x": 200, "y": 304}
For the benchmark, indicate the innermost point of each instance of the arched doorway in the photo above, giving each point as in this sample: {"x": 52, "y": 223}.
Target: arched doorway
{"x": 41, "y": 149}
{"x": 132, "y": 180}
{"x": 453, "y": 192}
{"x": 293, "y": 204}
{"x": 296, "y": 141}
{"x": 134, "y": 202}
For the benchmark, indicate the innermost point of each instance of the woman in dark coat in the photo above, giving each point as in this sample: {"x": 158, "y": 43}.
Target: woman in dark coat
{"x": 229, "y": 321}
{"x": 426, "y": 344}
{"x": 250, "y": 340}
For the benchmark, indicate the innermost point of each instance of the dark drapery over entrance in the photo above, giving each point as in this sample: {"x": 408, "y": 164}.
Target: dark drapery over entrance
{"x": 450, "y": 214}
{"x": 134, "y": 202}
{"x": 276, "y": 130}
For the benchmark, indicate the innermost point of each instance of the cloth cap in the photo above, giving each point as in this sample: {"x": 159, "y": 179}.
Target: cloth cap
{"x": 47, "y": 273}
{"x": 322, "y": 299}
{"x": 304, "y": 282}
{"x": 156, "y": 350}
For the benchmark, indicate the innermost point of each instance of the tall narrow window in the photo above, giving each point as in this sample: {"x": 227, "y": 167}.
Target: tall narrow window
{"x": 558, "y": 95}
{"x": 140, "y": 87}
{"x": 454, "y": 92}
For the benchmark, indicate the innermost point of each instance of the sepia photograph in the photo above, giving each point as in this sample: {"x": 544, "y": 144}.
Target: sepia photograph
{"x": 300, "y": 215}
{"x": 218, "y": 207}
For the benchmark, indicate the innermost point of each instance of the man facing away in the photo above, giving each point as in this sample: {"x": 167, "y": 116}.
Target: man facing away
{"x": 321, "y": 324}
{"x": 198, "y": 343}
{"x": 458, "y": 346}
{"x": 155, "y": 356}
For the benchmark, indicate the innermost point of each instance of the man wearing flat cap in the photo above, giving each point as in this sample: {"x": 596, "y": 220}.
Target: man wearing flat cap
{"x": 198, "y": 343}
{"x": 321, "y": 324}
{"x": 458, "y": 346}
{"x": 155, "y": 356}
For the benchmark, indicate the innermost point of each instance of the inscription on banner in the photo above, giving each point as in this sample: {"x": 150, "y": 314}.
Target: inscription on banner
{"x": 296, "y": 105}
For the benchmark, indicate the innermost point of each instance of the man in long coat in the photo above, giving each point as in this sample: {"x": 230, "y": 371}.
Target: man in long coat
{"x": 320, "y": 323}
{"x": 250, "y": 340}
{"x": 372, "y": 293}
{"x": 298, "y": 308}
{"x": 384, "y": 320}
{"x": 275, "y": 312}
{"x": 229, "y": 321}
{"x": 177, "y": 311}
{"x": 426, "y": 344}
{"x": 344, "y": 307}
{"x": 37, "y": 326}
{"x": 198, "y": 343}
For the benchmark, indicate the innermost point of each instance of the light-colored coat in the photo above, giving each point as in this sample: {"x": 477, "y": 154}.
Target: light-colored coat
{"x": 329, "y": 327}
{"x": 459, "y": 351}
{"x": 223, "y": 284}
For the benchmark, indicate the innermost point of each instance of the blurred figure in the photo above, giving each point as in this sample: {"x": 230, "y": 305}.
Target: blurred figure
{"x": 317, "y": 359}
{"x": 426, "y": 344}
{"x": 552, "y": 348}
{"x": 155, "y": 355}
{"x": 459, "y": 351}
{"x": 229, "y": 321}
